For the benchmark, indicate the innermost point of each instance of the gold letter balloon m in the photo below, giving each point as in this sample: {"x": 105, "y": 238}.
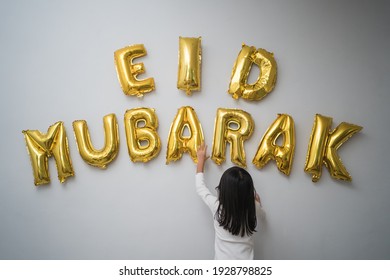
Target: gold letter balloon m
{"x": 41, "y": 146}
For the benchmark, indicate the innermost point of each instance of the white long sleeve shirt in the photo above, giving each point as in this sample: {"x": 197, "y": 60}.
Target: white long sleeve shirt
{"x": 227, "y": 245}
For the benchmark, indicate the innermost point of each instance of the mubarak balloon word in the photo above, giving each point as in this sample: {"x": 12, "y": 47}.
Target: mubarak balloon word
{"x": 232, "y": 126}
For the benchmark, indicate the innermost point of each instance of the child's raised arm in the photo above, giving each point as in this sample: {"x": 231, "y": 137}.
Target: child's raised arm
{"x": 202, "y": 156}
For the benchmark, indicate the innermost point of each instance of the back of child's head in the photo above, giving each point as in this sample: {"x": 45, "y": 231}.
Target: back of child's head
{"x": 236, "y": 194}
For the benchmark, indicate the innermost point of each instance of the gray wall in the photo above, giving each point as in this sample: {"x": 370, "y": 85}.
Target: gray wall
{"x": 57, "y": 65}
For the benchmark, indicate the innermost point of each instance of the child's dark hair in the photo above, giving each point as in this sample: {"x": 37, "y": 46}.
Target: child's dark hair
{"x": 236, "y": 194}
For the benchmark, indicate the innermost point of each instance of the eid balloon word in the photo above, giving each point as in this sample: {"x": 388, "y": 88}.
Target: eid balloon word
{"x": 232, "y": 126}
{"x": 189, "y": 70}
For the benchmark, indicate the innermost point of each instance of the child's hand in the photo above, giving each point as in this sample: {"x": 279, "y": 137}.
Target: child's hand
{"x": 201, "y": 154}
{"x": 257, "y": 198}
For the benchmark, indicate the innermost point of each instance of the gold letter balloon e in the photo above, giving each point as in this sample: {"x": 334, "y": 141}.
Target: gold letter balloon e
{"x": 127, "y": 71}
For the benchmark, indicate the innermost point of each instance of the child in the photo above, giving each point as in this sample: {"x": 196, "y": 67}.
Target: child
{"x": 234, "y": 210}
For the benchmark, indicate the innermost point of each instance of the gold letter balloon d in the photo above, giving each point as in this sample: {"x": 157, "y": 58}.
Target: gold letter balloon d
{"x": 266, "y": 80}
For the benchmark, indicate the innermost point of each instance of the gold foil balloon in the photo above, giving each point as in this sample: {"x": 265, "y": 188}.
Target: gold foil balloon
{"x": 41, "y": 146}
{"x": 178, "y": 142}
{"x": 269, "y": 149}
{"x": 266, "y": 80}
{"x": 127, "y": 71}
{"x": 323, "y": 147}
{"x": 190, "y": 55}
{"x": 100, "y": 158}
{"x": 233, "y": 126}
{"x": 143, "y": 141}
